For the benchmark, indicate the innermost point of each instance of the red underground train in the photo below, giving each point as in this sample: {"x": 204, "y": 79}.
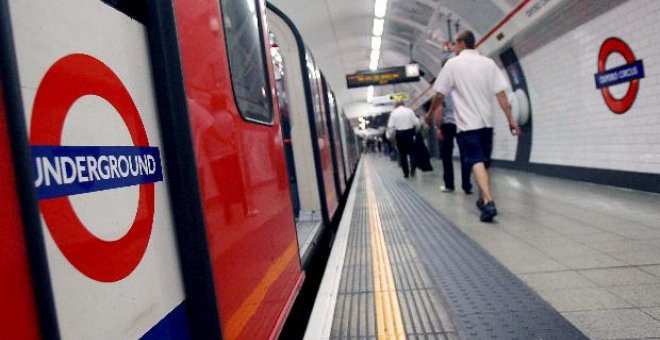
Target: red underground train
{"x": 168, "y": 169}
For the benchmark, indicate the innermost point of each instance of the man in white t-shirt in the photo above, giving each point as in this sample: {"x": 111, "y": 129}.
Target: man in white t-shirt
{"x": 473, "y": 80}
{"x": 404, "y": 121}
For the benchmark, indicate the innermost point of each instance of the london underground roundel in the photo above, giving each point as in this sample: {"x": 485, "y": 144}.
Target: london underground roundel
{"x": 631, "y": 72}
{"x": 62, "y": 171}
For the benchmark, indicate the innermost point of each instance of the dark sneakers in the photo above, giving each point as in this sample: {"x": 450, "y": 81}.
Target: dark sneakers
{"x": 488, "y": 211}
{"x": 480, "y": 204}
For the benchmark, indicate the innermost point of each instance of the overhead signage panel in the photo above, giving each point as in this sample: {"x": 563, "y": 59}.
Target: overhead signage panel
{"x": 399, "y": 96}
{"x": 386, "y": 76}
{"x": 389, "y": 99}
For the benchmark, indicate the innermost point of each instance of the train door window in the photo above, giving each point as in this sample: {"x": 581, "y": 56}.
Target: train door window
{"x": 314, "y": 81}
{"x": 279, "y": 73}
{"x": 279, "y": 70}
{"x": 318, "y": 107}
{"x": 247, "y": 59}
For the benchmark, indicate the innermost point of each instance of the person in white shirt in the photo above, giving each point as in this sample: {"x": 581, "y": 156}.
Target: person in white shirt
{"x": 404, "y": 121}
{"x": 473, "y": 80}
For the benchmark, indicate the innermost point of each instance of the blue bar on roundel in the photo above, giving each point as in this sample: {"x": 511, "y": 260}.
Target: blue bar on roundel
{"x": 621, "y": 74}
{"x": 71, "y": 170}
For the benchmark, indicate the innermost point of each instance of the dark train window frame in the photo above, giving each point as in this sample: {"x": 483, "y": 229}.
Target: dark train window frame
{"x": 316, "y": 90}
{"x": 259, "y": 118}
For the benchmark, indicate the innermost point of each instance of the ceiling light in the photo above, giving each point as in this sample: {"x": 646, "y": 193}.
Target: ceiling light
{"x": 378, "y": 26}
{"x": 373, "y": 59}
{"x": 380, "y": 8}
{"x": 375, "y": 43}
{"x": 375, "y": 56}
{"x": 373, "y": 65}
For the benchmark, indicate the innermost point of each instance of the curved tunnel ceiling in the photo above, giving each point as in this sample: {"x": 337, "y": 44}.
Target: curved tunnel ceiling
{"x": 339, "y": 34}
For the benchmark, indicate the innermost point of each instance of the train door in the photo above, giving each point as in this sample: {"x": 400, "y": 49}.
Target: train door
{"x": 313, "y": 215}
{"x": 240, "y": 163}
{"x": 90, "y": 113}
{"x": 281, "y": 85}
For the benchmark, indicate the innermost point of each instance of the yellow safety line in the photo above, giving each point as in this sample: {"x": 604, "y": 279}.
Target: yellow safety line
{"x": 248, "y": 308}
{"x": 388, "y": 312}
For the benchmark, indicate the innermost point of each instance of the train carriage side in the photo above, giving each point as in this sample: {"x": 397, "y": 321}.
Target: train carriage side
{"x": 235, "y": 145}
{"x": 346, "y": 158}
{"x": 323, "y": 139}
{"x": 333, "y": 133}
{"x": 353, "y": 154}
{"x": 340, "y": 144}
{"x": 240, "y": 164}
{"x": 309, "y": 182}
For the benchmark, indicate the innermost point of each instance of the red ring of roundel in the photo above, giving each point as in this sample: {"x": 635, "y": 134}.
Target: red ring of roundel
{"x": 67, "y": 80}
{"x": 616, "y": 45}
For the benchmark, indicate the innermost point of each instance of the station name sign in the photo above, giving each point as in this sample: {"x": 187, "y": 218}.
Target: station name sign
{"x": 386, "y": 76}
{"x": 621, "y": 74}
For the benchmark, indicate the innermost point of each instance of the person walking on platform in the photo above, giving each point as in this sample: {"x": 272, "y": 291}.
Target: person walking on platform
{"x": 474, "y": 80}
{"x": 404, "y": 121}
{"x": 446, "y": 135}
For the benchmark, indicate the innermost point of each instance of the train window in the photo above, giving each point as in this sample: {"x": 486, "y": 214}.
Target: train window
{"x": 319, "y": 109}
{"x": 247, "y": 59}
{"x": 314, "y": 80}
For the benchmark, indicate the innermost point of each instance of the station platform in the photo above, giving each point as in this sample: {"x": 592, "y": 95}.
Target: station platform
{"x": 562, "y": 260}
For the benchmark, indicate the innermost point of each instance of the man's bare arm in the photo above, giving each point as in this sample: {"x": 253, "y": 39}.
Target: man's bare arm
{"x": 506, "y": 107}
{"x": 436, "y": 107}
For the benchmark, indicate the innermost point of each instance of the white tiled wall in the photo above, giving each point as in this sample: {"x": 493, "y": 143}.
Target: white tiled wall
{"x": 504, "y": 144}
{"x": 572, "y": 125}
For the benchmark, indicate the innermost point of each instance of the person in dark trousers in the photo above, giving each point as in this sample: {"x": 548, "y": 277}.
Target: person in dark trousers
{"x": 421, "y": 154}
{"x": 404, "y": 122}
{"x": 446, "y": 135}
{"x": 474, "y": 80}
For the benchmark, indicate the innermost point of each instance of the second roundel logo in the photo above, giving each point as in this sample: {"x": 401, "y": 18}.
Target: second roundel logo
{"x": 64, "y": 170}
{"x": 631, "y": 72}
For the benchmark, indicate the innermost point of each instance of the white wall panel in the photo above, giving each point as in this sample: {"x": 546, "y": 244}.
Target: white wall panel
{"x": 572, "y": 124}
{"x": 87, "y": 307}
{"x": 504, "y": 144}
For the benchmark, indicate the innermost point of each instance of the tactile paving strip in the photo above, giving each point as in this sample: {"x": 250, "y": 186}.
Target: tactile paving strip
{"x": 420, "y": 300}
{"x": 354, "y": 316}
{"x": 486, "y": 300}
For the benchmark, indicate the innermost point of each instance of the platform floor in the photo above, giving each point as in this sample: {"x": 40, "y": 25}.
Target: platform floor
{"x": 564, "y": 259}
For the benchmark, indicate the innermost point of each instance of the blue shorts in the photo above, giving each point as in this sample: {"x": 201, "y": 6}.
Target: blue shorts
{"x": 476, "y": 146}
